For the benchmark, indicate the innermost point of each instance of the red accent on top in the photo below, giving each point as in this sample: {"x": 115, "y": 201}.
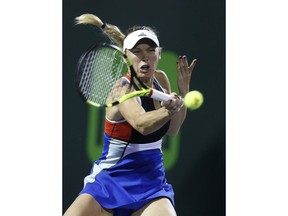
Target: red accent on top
{"x": 127, "y": 76}
{"x": 118, "y": 130}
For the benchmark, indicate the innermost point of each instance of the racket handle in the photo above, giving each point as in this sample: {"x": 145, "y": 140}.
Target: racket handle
{"x": 158, "y": 95}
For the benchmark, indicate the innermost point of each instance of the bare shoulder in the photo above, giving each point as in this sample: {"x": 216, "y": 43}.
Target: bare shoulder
{"x": 115, "y": 113}
{"x": 163, "y": 79}
{"x": 161, "y": 75}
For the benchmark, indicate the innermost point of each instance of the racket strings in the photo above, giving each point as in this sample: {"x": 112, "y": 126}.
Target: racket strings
{"x": 101, "y": 73}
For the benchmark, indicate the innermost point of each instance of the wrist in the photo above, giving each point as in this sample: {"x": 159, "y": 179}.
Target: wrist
{"x": 170, "y": 112}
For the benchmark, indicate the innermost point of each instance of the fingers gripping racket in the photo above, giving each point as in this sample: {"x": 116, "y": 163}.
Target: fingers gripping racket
{"x": 100, "y": 78}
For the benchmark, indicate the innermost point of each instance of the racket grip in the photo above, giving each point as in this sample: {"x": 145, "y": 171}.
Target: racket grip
{"x": 158, "y": 95}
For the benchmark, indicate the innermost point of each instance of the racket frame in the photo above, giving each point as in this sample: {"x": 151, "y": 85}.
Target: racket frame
{"x": 141, "y": 90}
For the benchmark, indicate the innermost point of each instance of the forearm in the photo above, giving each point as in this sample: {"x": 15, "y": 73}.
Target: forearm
{"x": 152, "y": 121}
{"x": 177, "y": 121}
{"x": 179, "y": 117}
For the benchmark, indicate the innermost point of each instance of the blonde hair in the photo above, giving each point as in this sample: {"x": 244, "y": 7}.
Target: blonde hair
{"x": 112, "y": 31}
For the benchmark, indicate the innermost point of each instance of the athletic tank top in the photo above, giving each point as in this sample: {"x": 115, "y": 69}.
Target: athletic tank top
{"x": 122, "y": 130}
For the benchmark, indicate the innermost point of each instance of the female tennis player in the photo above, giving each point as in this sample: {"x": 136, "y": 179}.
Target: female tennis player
{"x": 129, "y": 177}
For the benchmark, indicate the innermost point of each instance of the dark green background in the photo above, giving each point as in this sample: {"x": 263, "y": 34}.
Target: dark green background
{"x": 192, "y": 27}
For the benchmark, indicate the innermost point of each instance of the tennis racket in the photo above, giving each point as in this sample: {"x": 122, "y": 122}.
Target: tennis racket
{"x": 101, "y": 78}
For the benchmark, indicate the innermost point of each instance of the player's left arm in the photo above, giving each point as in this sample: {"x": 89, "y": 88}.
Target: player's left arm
{"x": 178, "y": 118}
{"x": 184, "y": 72}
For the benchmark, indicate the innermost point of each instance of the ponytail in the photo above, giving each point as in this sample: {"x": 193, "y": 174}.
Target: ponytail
{"x": 112, "y": 31}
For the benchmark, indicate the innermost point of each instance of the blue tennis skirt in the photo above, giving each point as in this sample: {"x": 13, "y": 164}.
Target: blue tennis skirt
{"x": 130, "y": 183}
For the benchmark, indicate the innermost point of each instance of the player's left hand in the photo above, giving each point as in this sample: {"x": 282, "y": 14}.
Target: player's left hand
{"x": 184, "y": 74}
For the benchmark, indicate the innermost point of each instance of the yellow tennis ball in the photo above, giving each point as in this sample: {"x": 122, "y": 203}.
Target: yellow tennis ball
{"x": 193, "y": 99}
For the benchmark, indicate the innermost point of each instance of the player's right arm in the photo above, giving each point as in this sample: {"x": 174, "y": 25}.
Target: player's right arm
{"x": 142, "y": 121}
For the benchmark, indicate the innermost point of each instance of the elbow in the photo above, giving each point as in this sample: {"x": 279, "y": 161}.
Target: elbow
{"x": 142, "y": 130}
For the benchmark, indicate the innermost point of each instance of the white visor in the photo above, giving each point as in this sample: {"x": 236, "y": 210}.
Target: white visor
{"x": 134, "y": 37}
